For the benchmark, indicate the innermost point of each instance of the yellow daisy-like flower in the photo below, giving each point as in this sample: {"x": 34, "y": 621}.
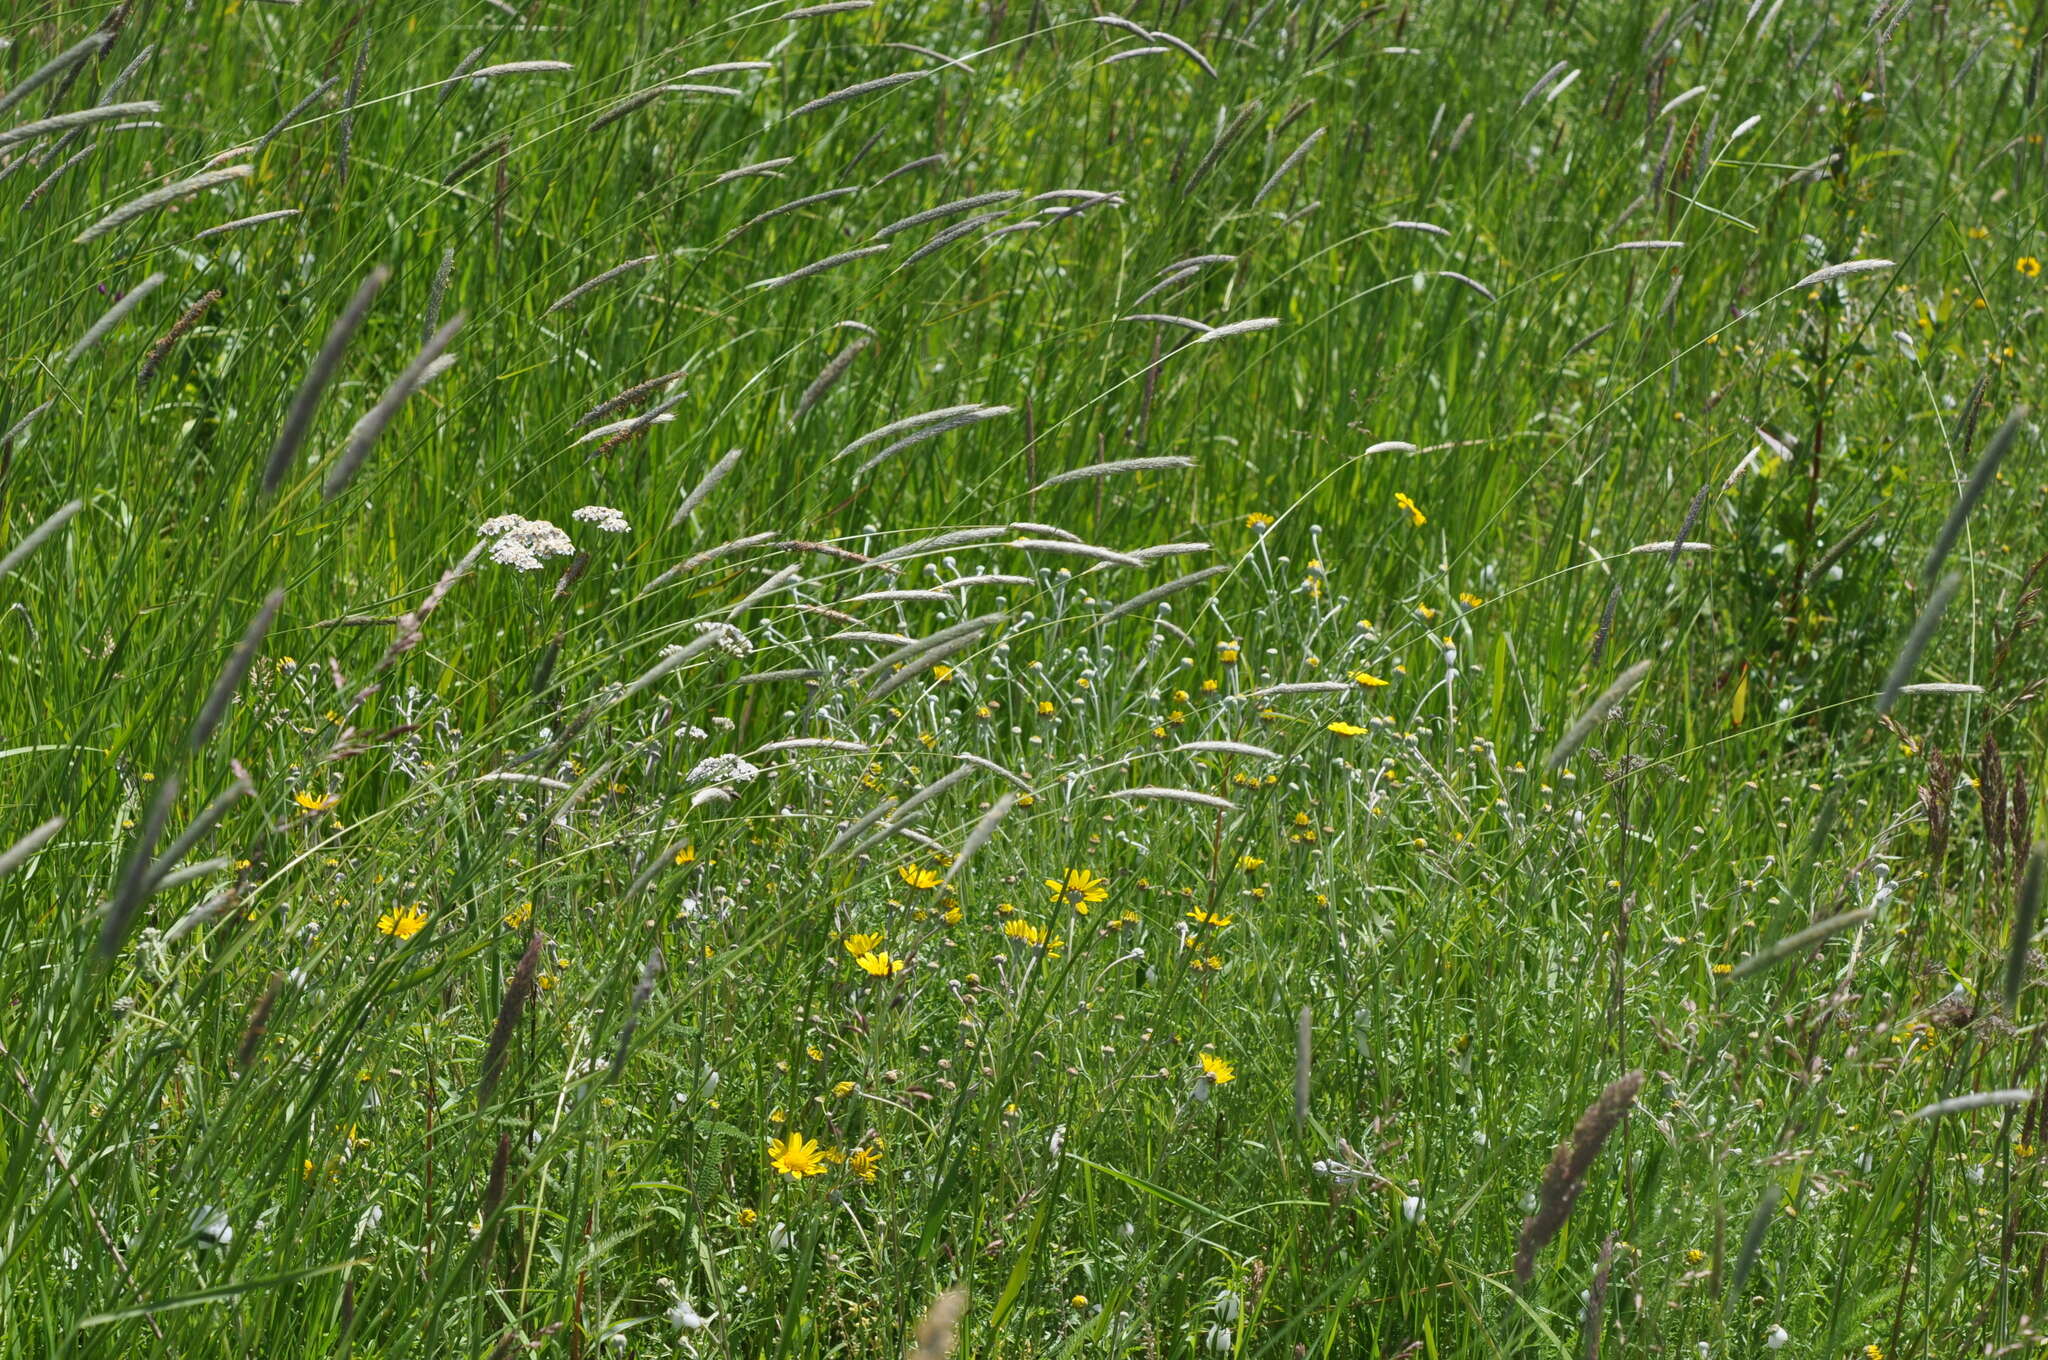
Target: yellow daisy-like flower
{"x": 919, "y": 878}
{"x": 1204, "y": 918}
{"x": 1345, "y": 729}
{"x": 880, "y": 965}
{"x": 404, "y": 922}
{"x": 866, "y": 942}
{"x": 841, "y": 1090}
{"x": 316, "y": 802}
{"x": 1415, "y": 515}
{"x": 2028, "y": 266}
{"x": 1078, "y": 889}
{"x": 687, "y": 855}
{"x": 1026, "y": 933}
{"x": 796, "y": 1156}
{"x": 519, "y": 916}
{"x": 1216, "y": 1069}
{"x": 1258, "y": 519}
{"x": 1367, "y": 679}
{"x": 1250, "y": 862}
{"x": 864, "y": 1162}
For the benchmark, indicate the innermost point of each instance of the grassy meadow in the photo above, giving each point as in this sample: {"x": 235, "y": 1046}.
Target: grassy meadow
{"x": 1249, "y": 678}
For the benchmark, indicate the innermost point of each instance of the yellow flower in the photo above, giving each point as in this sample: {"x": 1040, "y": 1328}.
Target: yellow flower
{"x": 687, "y": 855}
{"x": 519, "y": 916}
{"x": 404, "y": 922}
{"x": 880, "y": 965}
{"x": 919, "y": 878}
{"x": 842, "y": 1090}
{"x": 1368, "y": 679}
{"x": 1078, "y": 889}
{"x": 1249, "y": 862}
{"x": 1469, "y": 600}
{"x": 864, "y": 1162}
{"x": 942, "y": 673}
{"x": 1345, "y": 729}
{"x": 745, "y": 1218}
{"x": 1203, "y": 918}
{"x": 2028, "y": 266}
{"x": 1258, "y": 519}
{"x": 316, "y": 802}
{"x": 1079, "y": 1300}
{"x": 1031, "y": 935}
{"x": 1415, "y": 515}
{"x": 1216, "y": 1069}
{"x": 795, "y": 1156}
{"x": 951, "y": 915}
{"x": 1046, "y": 708}
{"x": 866, "y": 943}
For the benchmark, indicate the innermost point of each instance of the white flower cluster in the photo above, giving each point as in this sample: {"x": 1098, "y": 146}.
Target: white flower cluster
{"x": 523, "y": 544}
{"x": 727, "y": 638}
{"x": 724, "y": 769}
{"x": 605, "y": 518}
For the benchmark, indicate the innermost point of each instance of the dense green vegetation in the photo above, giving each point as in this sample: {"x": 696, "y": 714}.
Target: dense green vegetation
{"x": 831, "y": 681}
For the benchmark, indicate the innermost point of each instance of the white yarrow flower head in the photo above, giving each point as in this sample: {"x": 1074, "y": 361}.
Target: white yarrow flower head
{"x": 727, "y": 638}
{"x": 684, "y": 1318}
{"x": 724, "y": 769}
{"x": 604, "y": 517}
{"x": 524, "y": 544}
{"x": 1776, "y": 1337}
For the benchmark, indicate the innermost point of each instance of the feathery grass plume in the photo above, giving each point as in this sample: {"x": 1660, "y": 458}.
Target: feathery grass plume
{"x": 1596, "y": 713}
{"x": 1646, "y": 245}
{"x": 132, "y": 885}
{"x": 777, "y": 677}
{"x": 630, "y": 425}
{"x": 2026, "y": 917}
{"x": 439, "y": 290}
{"x": 518, "y": 68}
{"x": 631, "y": 104}
{"x": 944, "y": 210}
{"x": 188, "y": 873}
{"x": 157, "y": 878}
{"x": 915, "y": 669}
{"x": 1131, "y": 53}
{"x": 754, "y": 168}
{"x": 939, "y": 1329}
{"x": 1923, "y": 632}
{"x": 629, "y": 398}
{"x": 643, "y": 992}
{"x": 1838, "y": 271}
{"x": 984, "y": 831}
{"x": 476, "y": 158}
{"x": 56, "y": 66}
{"x": 157, "y": 198}
{"x": 113, "y": 316}
{"x": 899, "y": 820}
{"x": 986, "y": 578}
{"x": 1304, "y": 1033}
{"x": 834, "y": 369}
{"x": 1849, "y": 539}
{"x": 347, "y": 132}
{"x": 1472, "y": 283}
{"x": 1799, "y": 942}
{"x": 898, "y": 596}
{"x": 931, "y": 431}
{"x": 1428, "y": 228}
{"x": 306, "y": 401}
{"x": 1187, "y": 50}
{"x": 518, "y": 991}
{"x": 258, "y": 1024}
{"x": 78, "y": 118}
{"x": 240, "y": 222}
{"x": 161, "y": 350}
{"x": 1227, "y": 748}
{"x": 43, "y": 186}
{"x": 910, "y": 655}
{"x": 1973, "y": 491}
{"x": 1257, "y": 323}
{"x": 795, "y": 204}
{"x": 832, "y": 7}
{"x": 812, "y": 744}
{"x": 960, "y": 230}
{"x": 291, "y": 116}
{"x": 21, "y": 427}
{"x": 1225, "y": 139}
{"x": 468, "y": 63}
{"x": 710, "y": 555}
{"x": 820, "y": 266}
{"x": 1173, "y": 278}
{"x": 1590, "y": 1321}
{"x": 910, "y": 167}
{"x": 1753, "y": 1238}
{"x": 781, "y": 580}
{"x": 1114, "y": 468}
{"x": 1151, "y": 792}
{"x": 231, "y": 676}
{"x": 1679, "y": 101}
{"x": 1059, "y": 545}
{"x": 1302, "y": 687}
{"x": 954, "y": 538}
{"x": 1294, "y": 158}
{"x": 1168, "y": 319}
{"x": 1976, "y": 1100}
{"x": 1160, "y": 592}
{"x": 1542, "y": 84}
{"x": 1668, "y": 547}
{"x": 364, "y": 436}
{"x": 1136, "y": 30}
{"x": 1941, "y": 687}
{"x": 18, "y": 853}
{"x": 874, "y": 86}
{"x": 934, "y": 55}
{"x": 38, "y": 536}
{"x": 570, "y": 298}
{"x": 1565, "y": 1176}
{"x": 705, "y": 486}
{"x": 859, "y": 825}
{"x": 494, "y": 1187}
